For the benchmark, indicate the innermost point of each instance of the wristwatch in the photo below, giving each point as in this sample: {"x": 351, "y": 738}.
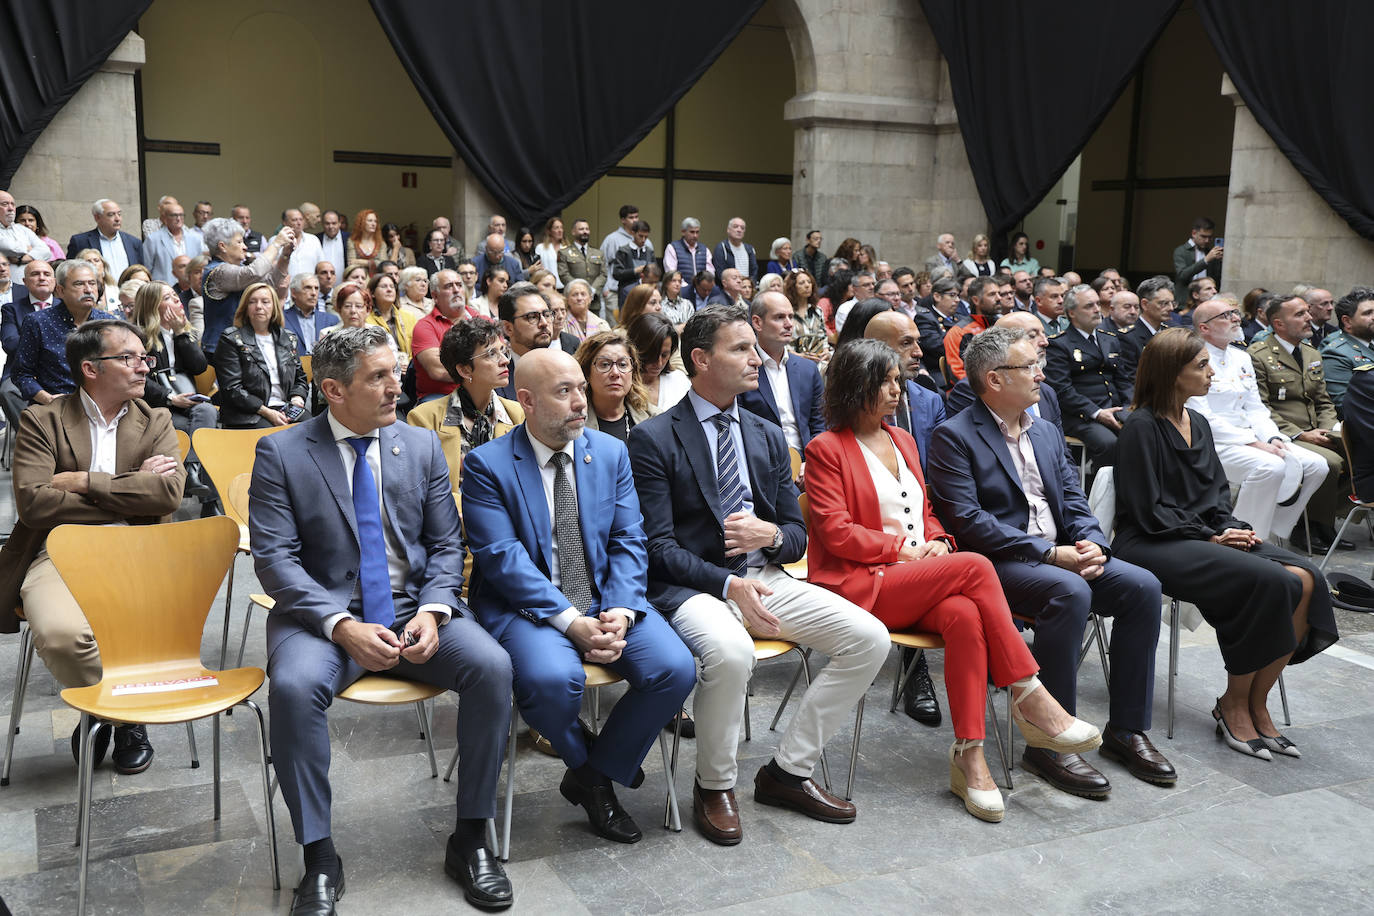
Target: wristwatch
{"x": 777, "y": 538}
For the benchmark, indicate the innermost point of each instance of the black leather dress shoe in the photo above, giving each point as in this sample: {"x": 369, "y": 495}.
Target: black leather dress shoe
{"x": 688, "y": 728}
{"x": 316, "y": 893}
{"x": 604, "y": 813}
{"x": 919, "y": 700}
{"x": 1139, "y": 756}
{"x": 100, "y": 744}
{"x": 132, "y": 753}
{"x": 1066, "y": 772}
{"x": 484, "y": 881}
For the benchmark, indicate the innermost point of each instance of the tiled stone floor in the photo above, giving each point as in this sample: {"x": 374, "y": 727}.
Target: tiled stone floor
{"x": 1236, "y": 835}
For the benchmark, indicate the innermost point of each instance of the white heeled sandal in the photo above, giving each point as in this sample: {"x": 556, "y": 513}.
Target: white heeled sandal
{"x": 1076, "y": 739}
{"x": 984, "y": 804}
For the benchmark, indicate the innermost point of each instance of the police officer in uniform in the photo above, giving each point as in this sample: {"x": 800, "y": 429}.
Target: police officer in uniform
{"x": 1358, "y": 429}
{"x": 1353, "y": 346}
{"x": 1084, "y": 367}
{"x": 1288, "y": 371}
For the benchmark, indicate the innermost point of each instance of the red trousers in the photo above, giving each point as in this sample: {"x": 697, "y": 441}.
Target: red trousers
{"x": 959, "y": 597}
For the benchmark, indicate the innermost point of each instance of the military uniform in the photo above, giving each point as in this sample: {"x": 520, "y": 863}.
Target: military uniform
{"x": 1341, "y": 355}
{"x": 1358, "y": 428}
{"x": 574, "y": 265}
{"x": 1293, "y": 387}
{"x": 1087, "y": 374}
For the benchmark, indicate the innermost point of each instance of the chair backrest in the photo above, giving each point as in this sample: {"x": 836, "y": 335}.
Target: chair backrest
{"x": 944, "y": 372}
{"x": 805, "y": 505}
{"x": 1349, "y": 461}
{"x": 227, "y": 453}
{"x": 237, "y": 509}
{"x": 183, "y": 443}
{"x": 796, "y": 457}
{"x": 306, "y": 362}
{"x": 147, "y": 614}
{"x": 206, "y": 383}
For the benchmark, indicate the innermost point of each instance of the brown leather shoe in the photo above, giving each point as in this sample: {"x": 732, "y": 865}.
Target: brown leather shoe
{"x": 1140, "y": 757}
{"x": 1066, "y": 772}
{"x": 808, "y": 798}
{"x": 716, "y": 815}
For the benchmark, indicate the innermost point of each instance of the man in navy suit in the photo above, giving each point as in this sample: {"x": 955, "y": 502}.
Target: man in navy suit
{"x": 560, "y": 573}
{"x": 721, "y": 515}
{"x": 1001, "y": 482}
{"x": 118, "y": 248}
{"x": 364, "y": 558}
{"x": 789, "y": 392}
{"x": 1087, "y": 371}
{"x": 35, "y": 295}
{"x": 306, "y": 319}
{"x": 961, "y": 395}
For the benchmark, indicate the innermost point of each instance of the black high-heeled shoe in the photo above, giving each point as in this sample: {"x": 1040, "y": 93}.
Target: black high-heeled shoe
{"x": 1251, "y": 748}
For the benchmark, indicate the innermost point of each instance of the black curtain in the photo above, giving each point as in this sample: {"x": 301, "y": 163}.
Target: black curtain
{"x": 1031, "y": 83}
{"x": 50, "y": 50}
{"x": 1300, "y": 69}
{"x": 540, "y": 98}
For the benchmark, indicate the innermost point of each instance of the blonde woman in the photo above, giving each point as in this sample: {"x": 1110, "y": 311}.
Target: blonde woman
{"x": 550, "y": 243}
{"x": 261, "y": 382}
{"x": 387, "y": 313}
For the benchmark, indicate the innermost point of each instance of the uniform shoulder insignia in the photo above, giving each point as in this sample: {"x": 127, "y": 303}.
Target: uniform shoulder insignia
{"x": 1365, "y": 367}
{"x": 1056, "y": 336}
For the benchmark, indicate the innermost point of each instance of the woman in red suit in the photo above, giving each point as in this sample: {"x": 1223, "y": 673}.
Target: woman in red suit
{"x": 875, "y": 540}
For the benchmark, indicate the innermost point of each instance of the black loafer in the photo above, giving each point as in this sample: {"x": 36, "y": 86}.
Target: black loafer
{"x": 604, "y": 813}
{"x": 100, "y": 744}
{"x": 316, "y": 893}
{"x": 484, "y": 881}
{"x": 133, "y": 753}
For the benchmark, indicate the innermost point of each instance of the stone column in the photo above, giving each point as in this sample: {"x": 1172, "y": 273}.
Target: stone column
{"x": 89, "y": 151}
{"x": 473, "y": 206}
{"x": 1279, "y": 231}
{"x": 877, "y": 149}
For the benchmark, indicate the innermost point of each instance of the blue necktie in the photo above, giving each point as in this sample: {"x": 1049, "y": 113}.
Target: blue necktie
{"x": 373, "y": 574}
{"x": 727, "y": 478}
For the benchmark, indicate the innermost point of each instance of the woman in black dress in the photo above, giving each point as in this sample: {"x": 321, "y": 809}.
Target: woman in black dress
{"x": 1173, "y": 517}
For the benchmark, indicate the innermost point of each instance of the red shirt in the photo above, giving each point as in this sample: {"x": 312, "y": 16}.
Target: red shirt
{"x": 429, "y": 330}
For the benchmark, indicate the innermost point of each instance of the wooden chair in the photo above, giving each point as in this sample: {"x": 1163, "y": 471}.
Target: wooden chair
{"x": 184, "y": 444}
{"x": 206, "y": 383}
{"x": 1075, "y": 442}
{"x": 148, "y": 618}
{"x": 306, "y": 361}
{"x": 225, "y": 454}
{"x": 796, "y": 457}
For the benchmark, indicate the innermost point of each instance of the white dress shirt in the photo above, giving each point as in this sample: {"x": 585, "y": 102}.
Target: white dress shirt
{"x": 306, "y": 255}
{"x": 782, "y": 393}
{"x": 331, "y": 250}
{"x": 705, "y": 412}
{"x": 1040, "y": 522}
{"x": 112, "y": 250}
{"x": 17, "y": 240}
{"x": 103, "y": 435}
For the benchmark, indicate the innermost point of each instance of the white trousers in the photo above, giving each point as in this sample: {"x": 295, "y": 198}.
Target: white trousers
{"x": 809, "y": 615}
{"x": 1259, "y": 475}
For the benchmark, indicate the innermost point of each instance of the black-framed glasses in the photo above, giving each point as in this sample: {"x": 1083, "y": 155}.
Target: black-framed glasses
{"x": 149, "y": 361}
{"x": 1232, "y": 314}
{"x": 536, "y": 317}
{"x": 604, "y": 365}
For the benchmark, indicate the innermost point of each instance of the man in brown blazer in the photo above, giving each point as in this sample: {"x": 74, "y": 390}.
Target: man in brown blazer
{"x": 97, "y": 456}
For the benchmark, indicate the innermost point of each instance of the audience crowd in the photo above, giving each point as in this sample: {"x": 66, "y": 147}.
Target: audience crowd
{"x": 644, "y": 440}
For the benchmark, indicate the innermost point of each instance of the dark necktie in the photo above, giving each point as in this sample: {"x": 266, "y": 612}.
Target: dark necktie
{"x": 902, "y": 417}
{"x": 727, "y": 478}
{"x": 574, "y": 581}
{"x": 373, "y": 576}
{"x": 584, "y": 252}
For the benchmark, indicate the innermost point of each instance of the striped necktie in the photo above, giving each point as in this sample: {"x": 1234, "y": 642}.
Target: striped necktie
{"x": 727, "y": 478}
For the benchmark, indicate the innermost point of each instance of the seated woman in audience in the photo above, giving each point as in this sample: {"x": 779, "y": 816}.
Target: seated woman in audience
{"x": 676, "y": 308}
{"x": 866, "y": 259}
{"x": 875, "y": 540}
{"x": 840, "y": 291}
{"x": 366, "y": 243}
{"x": 1020, "y": 257}
{"x": 356, "y": 272}
{"x": 582, "y": 321}
{"x": 261, "y": 382}
{"x": 848, "y": 252}
{"x": 133, "y": 272}
{"x": 434, "y": 259}
{"x": 473, "y": 352}
{"x": 128, "y": 291}
{"x": 25, "y": 215}
{"x": 387, "y": 313}
{"x": 655, "y": 342}
{"x": 780, "y": 259}
{"x": 524, "y": 252}
{"x": 393, "y": 248}
{"x": 925, "y": 287}
{"x": 1253, "y": 316}
{"x": 550, "y": 243}
{"x": 642, "y": 300}
{"x": 978, "y": 263}
{"x": 1270, "y": 607}
{"x": 808, "y": 323}
{"x": 492, "y": 285}
{"x": 110, "y": 290}
{"x": 173, "y": 343}
{"x": 616, "y": 399}
{"x": 544, "y": 281}
{"x": 414, "y": 283}
{"x": 354, "y": 304}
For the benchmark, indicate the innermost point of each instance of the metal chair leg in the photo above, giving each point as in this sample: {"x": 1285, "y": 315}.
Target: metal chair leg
{"x": 787, "y": 695}
{"x": 191, "y": 740}
{"x": 1283, "y": 696}
{"x": 1102, "y": 649}
{"x": 748, "y": 730}
{"x": 510, "y": 781}
{"x": 427, "y": 732}
{"x": 806, "y": 673}
{"x": 1002, "y": 752}
{"x": 672, "y": 820}
{"x": 453, "y": 762}
{"x": 1345, "y": 523}
{"x": 854, "y": 751}
{"x": 1173, "y": 660}
{"x": 216, "y": 765}
{"x": 243, "y": 639}
{"x": 83, "y": 836}
{"x": 900, "y": 678}
{"x": 596, "y": 710}
{"x": 21, "y": 683}
{"x": 267, "y": 792}
{"x": 228, "y": 609}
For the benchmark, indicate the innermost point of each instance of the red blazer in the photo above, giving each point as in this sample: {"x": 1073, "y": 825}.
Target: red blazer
{"x": 846, "y": 545}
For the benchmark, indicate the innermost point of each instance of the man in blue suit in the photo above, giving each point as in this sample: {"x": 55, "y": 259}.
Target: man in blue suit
{"x": 36, "y": 294}
{"x": 962, "y": 396}
{"x": 789, "y": 392}
{"x": 560, "y": 576}
{"x": 1001, "y": 482}
{"x": 721, "y": 515}
{"x": 305, "y": 318}
{"x": 118, "y": 248}
{"x": 367, "y": 578}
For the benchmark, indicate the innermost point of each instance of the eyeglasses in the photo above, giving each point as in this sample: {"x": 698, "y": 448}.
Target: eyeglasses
{"x": 1232, "y": 314}
{"x": 129, "y": 360}
{"x": 493, "y": 354}
{"x": 604, "y": 366}
{"x": 1031, "y": 366}
{"x": 536, "y": 317}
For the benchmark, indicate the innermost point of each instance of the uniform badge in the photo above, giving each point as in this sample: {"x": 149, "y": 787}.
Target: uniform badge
{"x": 1078, "y": 356}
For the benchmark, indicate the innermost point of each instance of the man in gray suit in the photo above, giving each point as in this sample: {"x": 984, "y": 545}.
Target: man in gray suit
{"x": 369, "y": 582}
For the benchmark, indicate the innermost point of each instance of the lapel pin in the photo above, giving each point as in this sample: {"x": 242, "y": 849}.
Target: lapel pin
{"x": 395, "y": 450}
{"x": 586, "y": 459}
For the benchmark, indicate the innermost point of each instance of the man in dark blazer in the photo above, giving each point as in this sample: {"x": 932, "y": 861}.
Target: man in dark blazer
{"x": 109, "y": 220}
{"x": 364, "y": 582}
{"x": 721, "y": 515}
{"x": 1002, "y": 483}
{"x": 789, "y": 392}
{"x": 961, "y": 395}
{"x": 35, "y": 294}
{"x": 1197, "y": 257}
{"x": 560, "y": 580}
{"x": 1083, "y": 365}
{"x": 1157, "y": 303}
{"x": 725, "y": 256}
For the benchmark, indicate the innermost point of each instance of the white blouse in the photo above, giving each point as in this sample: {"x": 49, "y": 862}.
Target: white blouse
{"x": 672, "y": 387}
{"x": 901, "y": 503}
{"x": 277, "y": 396}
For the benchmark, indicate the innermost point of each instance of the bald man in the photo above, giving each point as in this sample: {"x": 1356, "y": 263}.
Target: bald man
{"x": 919, "y": 409}
{"x": 494, "y": 254}
{"x": 1122, "y": 313}
{"x": 961, "y": 395}
{"x": 560, "y": 572}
